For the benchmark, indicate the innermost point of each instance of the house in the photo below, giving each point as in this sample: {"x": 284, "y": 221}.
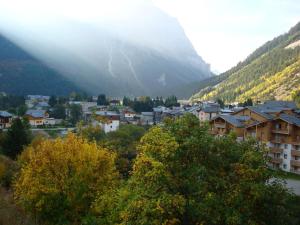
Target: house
{"x": 114, "y": 102}
{"x": 5, "y": 119}
{"x": 36, "y": 117}
{"x": 108, "y": 120}
{"x": 275, "y": 124}
{"x": 147, "y": 118}
{"x": 209, "y": 111}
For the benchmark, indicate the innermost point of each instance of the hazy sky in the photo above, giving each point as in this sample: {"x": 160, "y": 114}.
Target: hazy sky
{"x": 223, "y": 32}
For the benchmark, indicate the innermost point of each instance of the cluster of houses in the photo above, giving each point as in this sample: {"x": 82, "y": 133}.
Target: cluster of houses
{"x": 274, "y": 123}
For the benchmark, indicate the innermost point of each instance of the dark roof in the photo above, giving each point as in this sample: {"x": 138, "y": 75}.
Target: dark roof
{"x": 211, "y": 109}
{"x": 237, "y": 121}
{"x": 260, "y": 112}
{"x": 290, "y": 119}
{"x": 280, "y": 104}
{"x": 5, "y": 114}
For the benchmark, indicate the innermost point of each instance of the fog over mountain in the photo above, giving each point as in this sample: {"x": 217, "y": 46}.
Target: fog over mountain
{"x": 141, "y": 52}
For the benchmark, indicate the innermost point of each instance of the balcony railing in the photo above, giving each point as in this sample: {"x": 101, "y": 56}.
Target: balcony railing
{"x": 295, "y": 153}
{"x": 220, "y": 125}
{"x": 276, "y": 150}
{"x": 295, "y": 163}
{"x": 296, "y": 143}
{"x": 276, "y": 160}
{"x": 278, "y": 140}
{"x": 280, "y": 131}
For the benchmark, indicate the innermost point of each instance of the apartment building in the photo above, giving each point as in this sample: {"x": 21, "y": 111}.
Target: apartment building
{"x": 275, "y": 123}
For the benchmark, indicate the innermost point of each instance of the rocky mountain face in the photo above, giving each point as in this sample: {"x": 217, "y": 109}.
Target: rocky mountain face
{"x": 145, "y": 53}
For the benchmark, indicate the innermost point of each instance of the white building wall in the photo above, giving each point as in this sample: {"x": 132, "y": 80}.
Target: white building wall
{"x": 287, "y": 148}
{"x": 111, "y": 126}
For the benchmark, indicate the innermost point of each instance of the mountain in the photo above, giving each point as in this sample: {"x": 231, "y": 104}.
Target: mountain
{"x": 145, "y": 53}
{"x": 22, "y": 74}
{"x": 270, "y": 72}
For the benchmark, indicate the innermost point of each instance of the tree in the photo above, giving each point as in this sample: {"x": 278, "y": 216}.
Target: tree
{"x": 52, "y": 101}
{"x": 58, "y": 112}
{"x": 183, "y": 175}
{"x": 296, "y": 96}
{"x": 75, "y": 113}
{"x": 102, "y": 100}
{"x": 124, "y": 142}
{"x": 62, "y": 178}
{"x": 171, "y": 101}
{"x": 126, "y": 101}
{"x": 220, "y": 102}
{"x": 17, "y": 136}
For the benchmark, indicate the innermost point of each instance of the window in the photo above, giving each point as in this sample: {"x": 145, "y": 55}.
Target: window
{"x": 285, "y": 146}
{"x": 284, "y": 166}
{"x": 285, "y": 156}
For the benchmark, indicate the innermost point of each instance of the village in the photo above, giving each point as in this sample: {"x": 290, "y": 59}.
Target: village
{"x": 273, "y": 123}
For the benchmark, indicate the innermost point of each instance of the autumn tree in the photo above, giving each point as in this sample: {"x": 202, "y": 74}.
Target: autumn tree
{"x": 183, "y": 175}
{"x": 61, "y": 178}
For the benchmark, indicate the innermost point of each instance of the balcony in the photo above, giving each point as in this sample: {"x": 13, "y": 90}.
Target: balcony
{"x": 276, "y": 160}
{"x": 295, "y": 163}
{"x": 220, "y": 125}
{"x": 296, "y": 143}
{"x": 276, "y": 150}
{"x": 295, "y": 153}
{"x": 280, "y": 131}
{"x": 277, "y": 141}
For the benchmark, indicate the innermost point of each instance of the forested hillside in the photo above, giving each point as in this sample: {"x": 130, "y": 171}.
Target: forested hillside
{"x": 22, "y": 74}
{"x": 270, "y": 72}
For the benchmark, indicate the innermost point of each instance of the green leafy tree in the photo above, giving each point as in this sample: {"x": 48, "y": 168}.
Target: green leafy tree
{"x": 75, "y": 113}
{"x": 58, "y": 112}
{"x": 124, "y": 142}
{"x": 171, "y": 101}
{"x": 52, "y": 100}
{"x": 17, "y": 136}
{"x": 102, "y": 100}
{"x": 183, "y": 175}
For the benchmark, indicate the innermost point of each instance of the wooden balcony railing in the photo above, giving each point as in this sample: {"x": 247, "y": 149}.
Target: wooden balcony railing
{"x": 219, "y": 125}
{"x": 280, "y": 131}
{"x": 295, "y": 163}
{"x": 276, "y": 160}
{"x": 295, "y": 153}
{"x": 276, "y": 150}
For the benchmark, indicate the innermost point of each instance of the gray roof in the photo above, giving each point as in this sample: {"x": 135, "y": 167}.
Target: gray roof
{"x": 260, "y": 111}
{"x": 211, "y": 109}
{"x": 36, "y": 113}
{"x": 233, "y": 119}
{"x": 290, "y": 119}
{"x": 147, "y": 113}
{"x": 280, "y": 104}
{"x": 5, "y": 114}
{"x": 107, "y": 113}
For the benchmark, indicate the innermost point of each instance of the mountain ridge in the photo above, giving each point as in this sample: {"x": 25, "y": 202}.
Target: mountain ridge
{"x": 251, "y": 77}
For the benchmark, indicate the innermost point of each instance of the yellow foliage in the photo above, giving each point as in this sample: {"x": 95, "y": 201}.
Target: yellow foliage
{"x": 72, "y": 169}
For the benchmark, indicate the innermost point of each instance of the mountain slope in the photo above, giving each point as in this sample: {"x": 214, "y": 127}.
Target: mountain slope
{"x": 272, "y": 71}
{"x": 21, "y": 74}
{"x": 146, "y": 53}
